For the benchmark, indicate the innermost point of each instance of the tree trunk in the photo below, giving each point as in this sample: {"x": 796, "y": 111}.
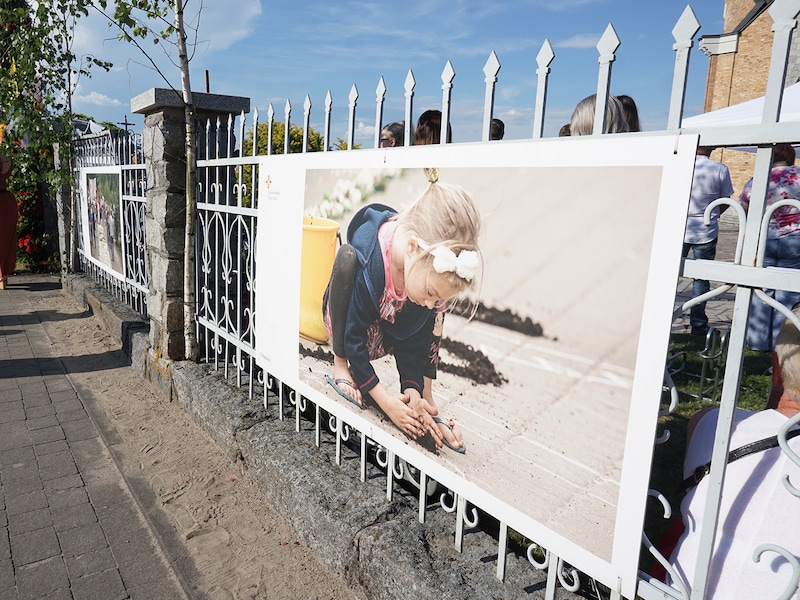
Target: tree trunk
{"x": 189, "y": 295}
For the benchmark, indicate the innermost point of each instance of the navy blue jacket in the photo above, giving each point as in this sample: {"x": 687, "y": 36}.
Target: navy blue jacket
{"x": 409, "y": 337}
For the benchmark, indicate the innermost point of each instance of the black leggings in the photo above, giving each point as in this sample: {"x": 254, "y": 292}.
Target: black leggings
{"x": 340, "y": 289}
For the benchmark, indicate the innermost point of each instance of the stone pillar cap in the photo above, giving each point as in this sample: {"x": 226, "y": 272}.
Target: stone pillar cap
{"x": 156, "y": 99}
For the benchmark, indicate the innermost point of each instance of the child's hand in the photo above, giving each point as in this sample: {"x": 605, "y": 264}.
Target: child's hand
{"x": 425, "y": 411}
{"x": 397, "y": 408}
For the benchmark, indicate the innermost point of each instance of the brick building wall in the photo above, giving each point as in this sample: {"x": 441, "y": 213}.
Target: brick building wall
{"x": 741, "y": 76}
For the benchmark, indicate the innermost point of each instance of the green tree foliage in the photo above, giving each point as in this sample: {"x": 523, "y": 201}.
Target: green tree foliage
{"x": 38, "y": 72}
{"x": 315, "y": 142}
{"x": 341, "y": 144}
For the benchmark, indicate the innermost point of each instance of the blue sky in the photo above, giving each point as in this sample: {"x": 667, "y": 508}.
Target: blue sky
{"x": 271, "y": 51}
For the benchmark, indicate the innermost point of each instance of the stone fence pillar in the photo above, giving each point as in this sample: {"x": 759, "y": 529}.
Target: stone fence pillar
{"x": 165, "y": 220}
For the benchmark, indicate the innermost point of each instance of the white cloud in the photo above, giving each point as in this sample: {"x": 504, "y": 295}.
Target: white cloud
{"x": 95, "y": 99}
{"x": 563, "y": 5}
{"x": 222, "y": 24}
{"x": 581, "y": 40}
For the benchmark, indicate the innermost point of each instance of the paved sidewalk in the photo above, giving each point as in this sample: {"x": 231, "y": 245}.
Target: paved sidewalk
{"x": 69, "y": 525}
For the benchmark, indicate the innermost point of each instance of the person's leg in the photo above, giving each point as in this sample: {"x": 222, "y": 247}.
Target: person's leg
{"x": 697, "y": 314}
{"x": 788, "y": 257}
{"x": 759, "y": 324}
{"x": 340, "y": 289}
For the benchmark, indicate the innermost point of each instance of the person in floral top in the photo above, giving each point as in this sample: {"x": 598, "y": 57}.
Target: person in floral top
{"x": 782, "y": 246}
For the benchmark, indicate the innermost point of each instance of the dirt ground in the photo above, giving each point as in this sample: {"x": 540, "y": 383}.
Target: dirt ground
{"x": 241, "y": 547}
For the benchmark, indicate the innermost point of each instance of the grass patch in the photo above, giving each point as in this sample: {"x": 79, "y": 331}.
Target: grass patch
{"x": 667, "y": 471}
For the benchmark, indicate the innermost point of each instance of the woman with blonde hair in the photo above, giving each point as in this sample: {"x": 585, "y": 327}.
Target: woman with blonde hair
{"x": 582, "y": 121}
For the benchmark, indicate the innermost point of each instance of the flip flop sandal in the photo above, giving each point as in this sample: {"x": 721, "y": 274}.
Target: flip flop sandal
{"x": 335, "y": 384}
{"x": 462, "y": 448}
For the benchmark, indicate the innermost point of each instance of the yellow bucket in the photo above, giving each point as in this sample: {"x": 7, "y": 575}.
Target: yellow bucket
{"x": 316, "y": 264}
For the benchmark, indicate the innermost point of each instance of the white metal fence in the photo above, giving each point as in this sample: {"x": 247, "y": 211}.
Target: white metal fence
{"x": 227, "y": 229}
{"x": 121, "y": 152}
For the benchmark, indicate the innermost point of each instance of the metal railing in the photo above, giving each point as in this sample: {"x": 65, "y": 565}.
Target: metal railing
{"x": 122, "y": 153}
{"x": 227, "y": 208}
{"x": 226, "y": 245}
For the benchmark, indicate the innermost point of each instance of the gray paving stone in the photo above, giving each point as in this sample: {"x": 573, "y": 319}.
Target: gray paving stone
{"x": 7, "y": 388}
{"x": 51, "y": 447}
{"x": 119, "y": 513}
{"x": 73, "y": 516}
{"x": 90, "y": 454}
{"x": 161, "y": 588}
{"x": 71, "y": 497}
{"x": 7, "y": 580}
{"x": 141, "y": 571}
{"x": 59, "y": 594}
{"x": 128, "y": 548}
{"x": 22, "y": 486}
{"x": 28, "y": 548}
{"x": 26, "y": 502}
{"x": 17, "y": 455}
{"x": 12, "y": 411}
{"x": 33, "y": 399}
{"x": 20, "y": 470}
{"x": 33, "y": 388}
{"x": 90, "y": 562}
{"x": 3, "y": 518}
{"x": 57, "y": 468}
{"x": 105, "y": 494}
{"x": 42, "y": 422}
{"x": 30, "y": 521}
{"x": 49, "y": 434}
{"x": 11, "y": 438}
{"x": 37, "y": 412}
{"x": 69, "y": 405}
{"x": 69, "y": 416}
{"x": 63, "y": 396}
{"x": 63, "y": 483}
{"x": 10, "y": 395}
{"x": 100, "y": 586}
{"x": 5, "y": 546}
{"x": 80, "y": 540}
{"x": 79, "y": 430}
{"x": 42, "y": 578}
{"x": 58, "y": 383}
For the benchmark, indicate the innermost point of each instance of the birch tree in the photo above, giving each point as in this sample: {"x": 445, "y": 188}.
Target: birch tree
{"x": 135, "y": 19}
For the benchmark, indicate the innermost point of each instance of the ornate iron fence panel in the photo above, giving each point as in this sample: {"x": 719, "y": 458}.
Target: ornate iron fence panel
{"x": 122, "y": 153}
{"x": 226, "y": 229}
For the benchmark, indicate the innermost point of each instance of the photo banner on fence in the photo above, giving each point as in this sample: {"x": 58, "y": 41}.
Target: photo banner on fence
{"x": 101, "y": 225}
{"x": 555, "y": 384}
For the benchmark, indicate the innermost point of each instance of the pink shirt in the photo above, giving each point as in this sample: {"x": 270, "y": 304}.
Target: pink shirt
{"x": 391, "y": 301}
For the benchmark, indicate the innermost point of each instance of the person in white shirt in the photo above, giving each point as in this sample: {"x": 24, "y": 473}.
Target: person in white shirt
{"x": 756, "y": 506}
{"x": 711, "y": 181}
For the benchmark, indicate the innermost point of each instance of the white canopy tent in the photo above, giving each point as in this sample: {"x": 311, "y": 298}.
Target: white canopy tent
{"x": 748, "y": 113}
